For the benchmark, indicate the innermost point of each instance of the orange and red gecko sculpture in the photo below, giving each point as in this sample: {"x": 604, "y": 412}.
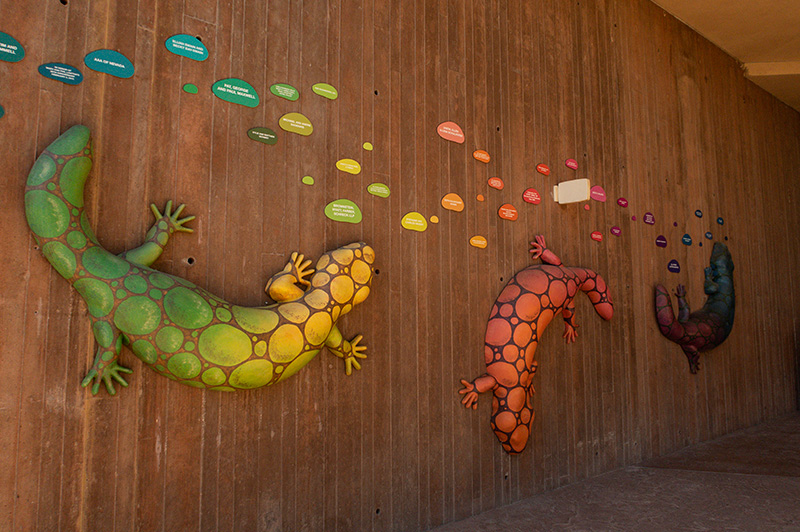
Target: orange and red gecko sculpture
{"x": 525, "y": 307}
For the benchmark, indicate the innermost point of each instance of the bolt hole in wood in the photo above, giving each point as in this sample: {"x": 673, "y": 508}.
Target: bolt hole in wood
{"x": 63, "y": 2}
{"x": 190, "y": 261}
{"x": 198, "y": 38}
{"x": 377, "y": 511}
{"x": 377, "y": 272}
{"x": 376, "y": 92}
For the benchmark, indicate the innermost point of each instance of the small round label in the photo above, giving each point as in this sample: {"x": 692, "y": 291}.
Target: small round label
{"x": 543, "y": 169}
{"x": 572, "y": 164}
{"x": 434, "y": 219}
{"x": 532, "y": 195}
{"x": 649, "y": 219}
{"x": 720, "y": 221}
{"x": 191, "y": 88}
{"x": 508, "y": 212}
{"x": 308, "y": 180}
{"x": 661, "y": 241}
{"x": 480, "y": 197}
{"x": 622, "y": 202}
{"x": 482, "y": 156}
{"x": 496, "y": 182}
{"x": 367, "y": 146}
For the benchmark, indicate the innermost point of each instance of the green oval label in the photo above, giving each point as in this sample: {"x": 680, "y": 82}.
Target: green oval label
{"x": 187, "y": 46}
{"x": 343, "y": 210}
{"x": 263, "y": 134}
{"x": 308, "y": 180}
{"x": 379, "y": 189}
{"x": 235, "y": 90}
{"x": 325, "y": 90}
{"x": 286, "y": 91}
{"x": 109, "y": 62}
{"x": 10, "y": 49}
{"x": 296, "y": 123}
{"x": 61, "y": 72}
{"x": 191, "y": 88}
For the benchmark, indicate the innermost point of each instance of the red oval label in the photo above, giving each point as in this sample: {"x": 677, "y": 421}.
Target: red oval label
{"x": 496, "y": 182}
{"x": 451, "y": 131}
{"x": 532, "y": 196}
{"x": 597, "y": 236}
{"x": 508, "y": 212}
{"x": 571, "y": 163}
{"x": 597, "y": 193}
{"x": 622, "y": 202}
{"x": 482, "y": 156}
{"x": 543, "y": 169}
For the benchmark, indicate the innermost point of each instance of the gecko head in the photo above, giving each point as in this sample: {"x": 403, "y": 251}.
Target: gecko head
{"x": 721, "y": 259}
{"x": 346, "y": 274}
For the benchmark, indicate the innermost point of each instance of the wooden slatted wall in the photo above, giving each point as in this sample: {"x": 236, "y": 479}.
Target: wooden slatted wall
{"x": 650, "y": 110}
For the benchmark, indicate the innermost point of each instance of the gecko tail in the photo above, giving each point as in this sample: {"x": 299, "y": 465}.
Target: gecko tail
{"x": 54, "y": 203}
{"x": 667, "y": 324}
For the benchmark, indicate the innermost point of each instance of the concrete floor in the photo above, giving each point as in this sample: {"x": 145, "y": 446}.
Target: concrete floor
{"x": 745, "y": 481}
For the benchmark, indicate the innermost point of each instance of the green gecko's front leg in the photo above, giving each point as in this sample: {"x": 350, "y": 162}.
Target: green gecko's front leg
{"x": 158, "y": 235}
{"x": 349, "y": 351}
{"x": 105, "y": 366}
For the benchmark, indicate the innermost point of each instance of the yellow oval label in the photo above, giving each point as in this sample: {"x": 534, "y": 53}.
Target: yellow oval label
{"x": 414, "y": 221}
{"x": 478, "y": 242}
{"x": 296, "y": 123}
{"x": 349, "y": 165}
{"x": 453, "y": 202}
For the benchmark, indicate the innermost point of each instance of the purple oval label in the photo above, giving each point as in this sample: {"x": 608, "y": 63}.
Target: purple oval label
{"x": 616, "y": 231}
{"x": 698, "y": 213}
{"x": 687, "y": 239}
{"x": 571, "y": 163}
{"x": 622, "y": 202}
{"x": 673, "y": 266}
{"x": 661, "y": 241}
{"x": 649, "y": 219}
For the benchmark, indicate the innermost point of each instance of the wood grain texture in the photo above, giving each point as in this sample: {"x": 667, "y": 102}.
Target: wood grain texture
{"x": 650, "y": 110}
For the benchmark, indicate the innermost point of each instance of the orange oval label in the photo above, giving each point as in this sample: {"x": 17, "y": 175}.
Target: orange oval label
{"x": 496, "y": 182}
{"x": 597, "y": 236}
{"x": 532, "y": 196}
{"x": 480, "y": 197}
{"x": 508, "y": 212}
{"x": 451, "y": 131}
{"x": 478, "y": 241}
{"x": 543, "y": 169}
{"x": 453, "y": 202}
{"x": 482, "y": 156}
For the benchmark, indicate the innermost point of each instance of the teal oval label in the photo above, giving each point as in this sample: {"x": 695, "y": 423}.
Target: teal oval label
{"x": 263, "y": 134}
{"x": 109, "y": 62}
{"x": 236, "y": 91}
{"x": 343, "y": 210}
{"x": 686, "y": 239}
{"x": 2, "y": 112}
{"x": 60, "y": 72}
{"x": 285, "y": 91}
{"x": 10, "y": 49}
{"x": 325, "y": 90}
{"x": 187, "y": 46}
{"x": 379, "y": 189}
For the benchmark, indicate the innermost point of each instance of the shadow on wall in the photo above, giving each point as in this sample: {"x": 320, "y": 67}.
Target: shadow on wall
{"x": 797, "y": 378}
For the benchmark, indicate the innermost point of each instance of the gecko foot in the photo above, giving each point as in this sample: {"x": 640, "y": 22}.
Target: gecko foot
{"x": 106, "y": 374}
{"x": 351, "y": 352}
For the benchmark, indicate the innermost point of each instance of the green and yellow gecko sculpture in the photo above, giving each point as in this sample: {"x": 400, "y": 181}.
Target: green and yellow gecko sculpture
{"x": 180, "y": 330}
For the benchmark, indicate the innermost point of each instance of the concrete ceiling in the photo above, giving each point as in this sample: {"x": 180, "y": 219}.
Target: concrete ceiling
{"x": 764, "y": 35}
